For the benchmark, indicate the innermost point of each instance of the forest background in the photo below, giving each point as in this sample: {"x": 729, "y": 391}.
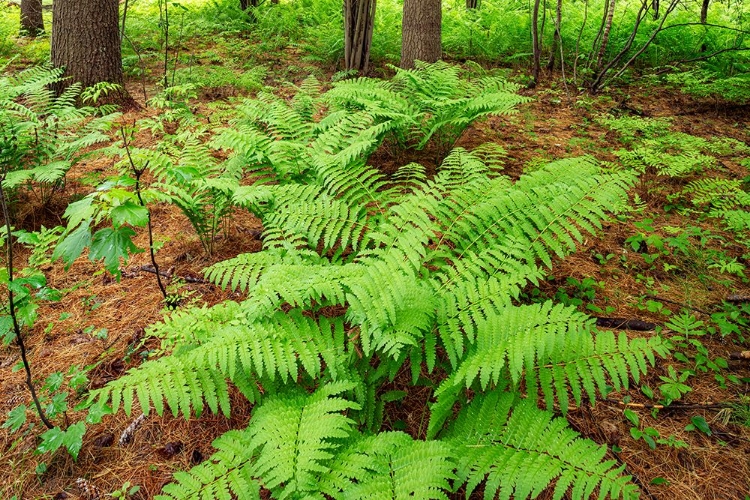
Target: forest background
{"x": 317, "y": 267}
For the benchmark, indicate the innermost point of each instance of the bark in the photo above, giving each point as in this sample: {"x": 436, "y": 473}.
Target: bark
{"x": 472, "y": 4}
{"x": 605, "y": 34}
{"x": 359, "y": 18}
{"x": 655, "y": 7}
{"x": 421, "y": 32}
{"x": 32, "y": 22}
{"x": 535, "y": 44}
{"x": 704, "y": 11}
{"x": 246, "y": 4}
{"x": 557, "y": 40}
{"x": 86, "y": 41}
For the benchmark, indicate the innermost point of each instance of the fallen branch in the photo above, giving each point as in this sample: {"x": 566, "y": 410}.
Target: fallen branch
{"x": 738, "y": 298}
{"x": 741, "y": 355}
{"x": 674, "y": 406}
{"x": 625, "y": 324}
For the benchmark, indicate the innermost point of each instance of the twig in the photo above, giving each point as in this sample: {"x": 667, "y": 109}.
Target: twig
{"x": 12, "y": 307}
{"x": 138, "y": 173}
{"x": 650, "y": 406}
{"x": 625, "y": 324}
{"x": 741, "y": 355}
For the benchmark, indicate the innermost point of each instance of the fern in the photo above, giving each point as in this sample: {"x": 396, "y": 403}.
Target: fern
{"x": 362, "y": 277}
{"x": 431, "y": 104}
{"x": 518, "y": 450}
{"x": 43, "y": 135}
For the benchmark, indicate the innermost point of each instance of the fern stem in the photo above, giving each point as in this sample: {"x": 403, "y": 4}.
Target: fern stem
{"x": 12, "y": 308}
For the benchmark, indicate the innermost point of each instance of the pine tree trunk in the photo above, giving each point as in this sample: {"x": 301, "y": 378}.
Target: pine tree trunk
{"x": 86, "y": 41}
{"x": 359, "y": 18}
{"x": 421, "y": 32}
{"x": 32, "y": 22}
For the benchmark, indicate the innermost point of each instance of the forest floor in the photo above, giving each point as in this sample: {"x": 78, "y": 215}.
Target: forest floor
{"x": 101, "y": 322}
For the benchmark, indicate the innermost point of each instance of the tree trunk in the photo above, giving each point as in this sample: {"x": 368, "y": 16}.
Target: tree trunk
{"x": 246, "y": 4}
{"x": 472, "y": 4}
{"x": 359, "y": 18}
{"x": 557, "y": 40}
{"x": 421, "y": 32}
{"x": 610, "y": 13}
{"x": 704, "y": 11}
{"x": 535, "y": 44}
{"x": 86, "y": 41}
{"x": 32, "y": 22}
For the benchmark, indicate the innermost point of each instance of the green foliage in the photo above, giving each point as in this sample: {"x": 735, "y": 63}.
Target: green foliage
{"x": 110, "y": 202}
{"x": 707, "y": 83}
{"x": 723, "y": 198}
{"x": 71, "y": 439}
{"x": 655, "y": 148}
{"x": 432, "y": 104}
{"x": 375, "y": 277}
{"x": 43, "y": 135}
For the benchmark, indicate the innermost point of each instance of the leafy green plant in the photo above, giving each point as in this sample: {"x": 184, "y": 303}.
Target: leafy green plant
{"x": 361, "y": 279}
{"x": 690, "y": 350}
{"x": 430, "y": 105}
{"x": 44, "y": 135}
{"x": 110, "y": 202}
{"x": 582, "y": 292}
{"x": 649, "y": 435}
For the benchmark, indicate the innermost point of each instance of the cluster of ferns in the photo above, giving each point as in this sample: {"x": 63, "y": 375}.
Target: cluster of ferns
{"x": 365, "y": 277}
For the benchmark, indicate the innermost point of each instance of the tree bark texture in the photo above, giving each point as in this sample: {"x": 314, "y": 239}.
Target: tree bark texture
{"x": 421, "y": 32}
{"x": 609, "y": 14}
{"x": 86, "y": 41}
{"x": 32, "y": 22}
{"x": 557, "y": 39}
{"x": 359, "y": 19}
{"x": 472, "y": 4}
{"x": 535, "y": 44}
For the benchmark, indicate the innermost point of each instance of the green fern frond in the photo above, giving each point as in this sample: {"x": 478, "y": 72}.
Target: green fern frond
{"x": 404, "y": 314}
{"x": 553, "y": 348}
{"x": 390, "y": 465}
{"x": 225, "y": 475}
{"x": 721, "y": 194}
{"x": 243, "y": 354}
{"x": 517, "y": 451}
{"x": 291, "y": 438}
